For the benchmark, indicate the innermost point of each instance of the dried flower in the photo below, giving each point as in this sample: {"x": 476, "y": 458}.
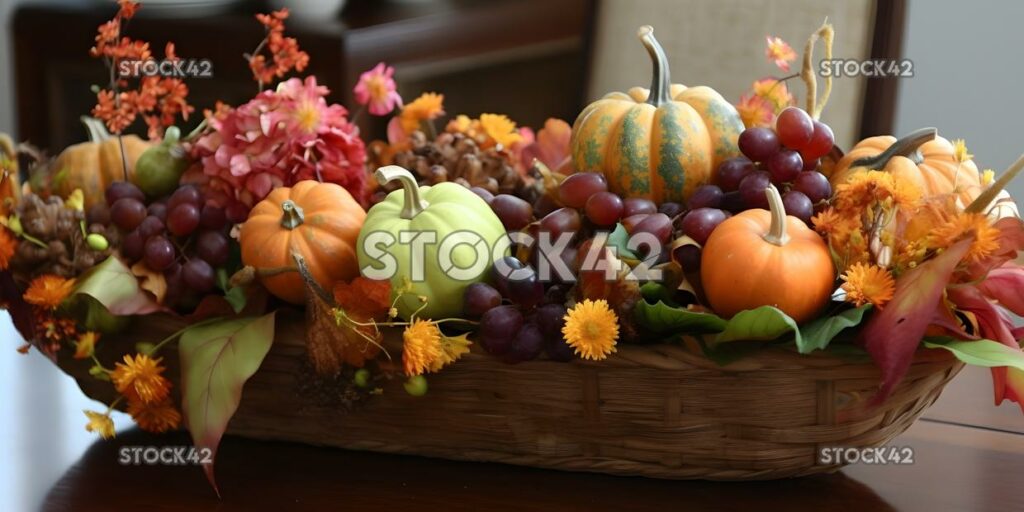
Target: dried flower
{"x": 960, "y": 153}
{"x": 421, "y": 347}
{"x": 8, "y": 244}
{"x": 774, "y": 91}
{"x": 86, "y": 345}
{"x": 452, "y": 348}
{"x": 592, "y": 329}
{"x": 963, "y": 225}
{"x": 376, "y": 90}
{"x": 427, "y": 107}
{"x": 100, "y": 423}
{"x": 285, "y": 54}
{"x": 866, "y": 284}
{"x": 139, "y": 379}
{"x": 755, "y": 110}
{"x": 155, "y": 417}
{"x": 779, "y": 52}
{"x": 49, "y": 291}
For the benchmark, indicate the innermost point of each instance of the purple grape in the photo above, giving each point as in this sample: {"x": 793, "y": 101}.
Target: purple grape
{"x": 122, "y": 189}
{"x": 706, "y": 196}
{"x": 699, "y": 223}
{"x": 498, "y": 328}
{"x": 513, "y": 212}
{"x": 198, "y": 275}
{"x": 784, "y": 166}
{"x": 732, "y": 171}
{"x": 527, "y": 344}
{"x": 480, "y": 298}
{"x": 213, "y": 247}
{"x": 814, "y": 185}
{"x": 502, "y": 271}
{"x": 672, "y": 209}
{"x": 752, "y": 189}
{"x": 637, "y": 205}
{"x": 213, "y": 217}
{"x": 484, "y": 194}
{"x": 151, "y": 226}
{"x": 159, "y": 253}
{"x": 759, "y": 143}
{"x": 798, "y": 205}
{"x": 127, "y": 213}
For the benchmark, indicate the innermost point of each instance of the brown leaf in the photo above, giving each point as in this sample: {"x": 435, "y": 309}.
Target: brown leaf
{"x": 152, "y": 282}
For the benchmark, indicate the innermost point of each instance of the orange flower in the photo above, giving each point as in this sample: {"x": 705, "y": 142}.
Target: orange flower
{"x": 755, "y": 110}
{"x": 975, "y": 225}
{"x": 139, "y": 379}
{"x": 866, "y": 188}
{"x": 86, "y": 345}
{"x": 774, "y": 91}
{"x": 49, "y": 291}
{"x": 868, "y": 284}
{"x": 500, "y": 129}
{"x": 421, "y": 347}
{"x": 427, "y": 107}
{"x": 363, "y": 297}
{"x": 100, "y": 423}
{"x": 8, "y": 244}
{"x": 155, "y": 417}
{"x": 779, "y": 52}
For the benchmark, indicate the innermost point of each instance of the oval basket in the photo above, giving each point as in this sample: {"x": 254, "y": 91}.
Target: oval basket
{"x": 658, "y": 411}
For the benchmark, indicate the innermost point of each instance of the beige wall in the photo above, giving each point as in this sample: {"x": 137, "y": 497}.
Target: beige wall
{"x": 721, "y": 43}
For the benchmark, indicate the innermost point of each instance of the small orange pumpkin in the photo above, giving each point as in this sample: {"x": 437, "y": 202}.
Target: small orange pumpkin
{"x": 922, "y": 157}
{"x": 319, "y": 221}
{"x": 766, "y": 258}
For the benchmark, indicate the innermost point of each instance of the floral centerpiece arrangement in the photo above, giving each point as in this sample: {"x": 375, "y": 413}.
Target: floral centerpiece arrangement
{"x": 664, "y": 216}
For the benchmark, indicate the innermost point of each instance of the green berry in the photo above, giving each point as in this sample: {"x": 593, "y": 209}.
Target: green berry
{"x": 362, "y": 377}
{"x": 14, "y": 224}
{"x": 97, "y": 242}
{"x": 144, "y": 347}
{"x": 416, "y": 385}
{"x": 98, "y": 372}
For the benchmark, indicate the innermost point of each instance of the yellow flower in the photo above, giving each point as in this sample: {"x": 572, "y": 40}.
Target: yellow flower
{"x": 86, "y": 345}
{"x": 156, "y": 417}
{"x": 500, "y": 129}
{"x": 755, "y": 111}
{"x": 868, "y": 284}
{"x": 100, "y": 423}
{"x": 592, "y": 329}
{"x": 452, "y": 348}
{"x": 960, "y": 153}
{"x": 421, "y": 348}
{"x": 461, "y": 124}
{"x": 75, "y": 201}
{"x": 139, "y": 379}
{"x": 987, "y": 177}
{"x": 774, "y": 91}
{"x": 427, "y": 107}
{"x": 975, "y": 225}
{"x": 49, "y": 291}
{"x": 779, "y": 52}
{"x": 8, "y": 244}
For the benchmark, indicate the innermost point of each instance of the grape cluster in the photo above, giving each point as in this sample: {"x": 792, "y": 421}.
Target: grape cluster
{"x": 181, "y": 236}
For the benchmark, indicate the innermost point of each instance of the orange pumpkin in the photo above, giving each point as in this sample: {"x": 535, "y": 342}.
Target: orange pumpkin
{"x": 764, "y": 257}
{"x": 921, "y": 157}
{"x": 319, "y": 221}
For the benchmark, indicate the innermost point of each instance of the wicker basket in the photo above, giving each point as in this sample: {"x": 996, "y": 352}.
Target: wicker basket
{"x": 658, "y": 410}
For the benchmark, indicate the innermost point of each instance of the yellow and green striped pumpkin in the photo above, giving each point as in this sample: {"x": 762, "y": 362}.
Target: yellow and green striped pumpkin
{"x": 660, "y": 144}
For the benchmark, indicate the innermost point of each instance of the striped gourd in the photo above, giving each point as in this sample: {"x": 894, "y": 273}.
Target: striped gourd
{"x": 660, "y": 144}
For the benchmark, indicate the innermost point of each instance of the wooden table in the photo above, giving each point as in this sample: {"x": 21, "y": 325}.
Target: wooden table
{"x": 970, "y": 461}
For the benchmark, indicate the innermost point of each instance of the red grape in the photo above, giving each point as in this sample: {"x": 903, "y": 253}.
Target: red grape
{"x": 810, "y": 164}
{"x": 151, "y": 226}
{"x": 631, "y": 222}
{"x": 604, "y": 208}
{"x": 158, "y": 210}
{"x": 732, "y": 171}
{"x": 498, "y": 327}
{"x": 484, "y": 194}
{"x": 657, "y": 224}
{"x": 671, "y": 209}
{"x": 502, "y": 270}
{"x": 133, "y": 246}
{"x": 794, "y": 128}
{"x": 160, "y": 253}
{"x": 638, "y": 205}
{"x": 198, "y": 275}
{"x": 127, "y": 213}
{"x": 562, "y": 220}
{"x": 784, "y": 166}
{"x": 185, "y": 195}
{"x": 733, "y": 202}
{"x": 213, "y": 217}
{"x": 122, "y": 189}
{"x": 814, "y": 185}
{"x": 183, "y": 219}
{"x": 557, "y": 293}
{"x": 526, "y": 290}
{"x": 213, "y": 247}
{"x": 798, "y": 205}
{"x": 699, "y": 223}
{"x": 526, "y": 345}
{"x": 544, "y": 205}
{"x": 236, "y": 213}
{"x": 821, "y": 141}
{"x": 479, "y": 298}
{"x": 759, "y": 143}
{"x": 577, "y": 188}
{"x": 706, "y": 196}
{"x": 513, "y": 212}
{"x": 752, "y": 189}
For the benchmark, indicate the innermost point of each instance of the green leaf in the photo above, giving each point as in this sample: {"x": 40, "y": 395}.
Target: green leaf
{"x": 236, "y": 297}
{"x": 662, "y": 318}
{"x": 114, "y": 286}
{"x": 987, "y": 353}
{"x": 760, "y": 324}
{"x": 619, "y": 239}
{"x": 216, "y": 361}
{"x": 819, "y": 333}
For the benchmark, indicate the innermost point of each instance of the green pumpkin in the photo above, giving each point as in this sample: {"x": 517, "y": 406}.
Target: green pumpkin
{"x": 660, "y": 144}
{"x": 441, "y": 210}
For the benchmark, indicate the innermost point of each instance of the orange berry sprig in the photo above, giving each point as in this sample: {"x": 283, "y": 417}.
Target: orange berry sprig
{"x": 284, "y": 52}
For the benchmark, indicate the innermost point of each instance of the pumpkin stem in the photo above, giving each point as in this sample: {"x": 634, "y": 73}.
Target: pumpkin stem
{"x": 981, "y": 203}
{"x": 661, "y": 83}
{"x": 95, "y": 128}
{"x": 293, "y": 215}
{"x": 414, "y": 204}
{"x": 777, "y": 231}
{"x": 905, "y": 146}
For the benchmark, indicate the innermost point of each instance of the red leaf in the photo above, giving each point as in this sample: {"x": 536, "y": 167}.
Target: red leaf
{"x": 1005, "y": 284}
{"x": 893, "y": 334}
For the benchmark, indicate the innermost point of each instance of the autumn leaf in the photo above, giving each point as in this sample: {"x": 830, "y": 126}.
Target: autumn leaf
{"x": 152, "y": 282}
{"x": 551, "y": 146}
{"x": 114, "y": 286}
{"x": 363, "y": 297}
{"x": 216, "y": 361}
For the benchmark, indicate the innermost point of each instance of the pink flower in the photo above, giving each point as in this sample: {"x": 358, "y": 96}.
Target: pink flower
{"x": 376, "y": 90}
{"x": 278, "y": 139}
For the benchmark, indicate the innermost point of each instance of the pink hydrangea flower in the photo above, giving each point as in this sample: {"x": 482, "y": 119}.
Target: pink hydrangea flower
{"x": 377, "y": 90}
{"x": 278, "y": 139}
